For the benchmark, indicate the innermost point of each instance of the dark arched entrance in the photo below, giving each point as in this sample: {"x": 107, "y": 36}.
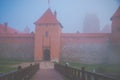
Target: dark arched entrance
{"x": 46, "y": 55}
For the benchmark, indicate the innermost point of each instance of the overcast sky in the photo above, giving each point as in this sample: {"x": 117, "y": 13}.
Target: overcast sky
{"x": 71, "y": 13}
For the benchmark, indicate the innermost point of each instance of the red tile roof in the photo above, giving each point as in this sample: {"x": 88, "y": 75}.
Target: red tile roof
{"x": 47, "y": 17}
{"x": 7, "y": 29}
{"x": 117, "y": 13}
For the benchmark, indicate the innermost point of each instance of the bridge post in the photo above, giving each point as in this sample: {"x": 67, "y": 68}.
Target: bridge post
{"x": 19, "y": 68}
{"x": 18, "y": 73}
{"x": 83, "y": 73}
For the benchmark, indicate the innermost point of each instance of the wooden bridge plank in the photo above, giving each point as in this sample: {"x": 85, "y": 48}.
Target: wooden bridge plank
{"x": 47, "y": 74}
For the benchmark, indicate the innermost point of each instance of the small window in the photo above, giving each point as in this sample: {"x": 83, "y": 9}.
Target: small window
{"x": 46, "y": 34}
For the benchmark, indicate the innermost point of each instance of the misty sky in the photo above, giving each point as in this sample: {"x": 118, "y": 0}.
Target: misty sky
{"x": 71, "y": 13}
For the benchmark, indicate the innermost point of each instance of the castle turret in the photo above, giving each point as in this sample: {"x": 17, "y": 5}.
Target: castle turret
{"x": 47, "y": 37}
{"x": 115, "y": 36}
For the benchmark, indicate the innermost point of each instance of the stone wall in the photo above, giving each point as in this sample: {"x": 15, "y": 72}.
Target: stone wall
{"x": 90, "y": 53}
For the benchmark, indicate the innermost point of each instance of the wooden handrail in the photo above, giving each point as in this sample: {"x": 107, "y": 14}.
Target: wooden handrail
{"x": 21, "y": 74}
{"x": 80, "y": 74}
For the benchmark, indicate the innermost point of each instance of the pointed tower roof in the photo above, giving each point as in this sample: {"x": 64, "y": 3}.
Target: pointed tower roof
{"x": 47, "y": 17}
{"x": 117, "y": 13}
{"x": 27, "y": 29}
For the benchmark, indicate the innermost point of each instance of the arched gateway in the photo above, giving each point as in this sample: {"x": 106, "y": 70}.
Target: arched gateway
{"x": 47, "y": 37}
{"x": 46, "y": 54}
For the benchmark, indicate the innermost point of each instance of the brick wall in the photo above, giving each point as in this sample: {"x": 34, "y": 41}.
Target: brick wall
{"x": 90, "y": 52}
{"x": 17, "y": 47}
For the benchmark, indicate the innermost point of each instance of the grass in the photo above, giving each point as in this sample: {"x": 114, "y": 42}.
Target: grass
{"x": 7, "y": 65}
{"x": 107, "y": 69}
{"x": 100, "y": 68}
{"x": 6, "y": 68}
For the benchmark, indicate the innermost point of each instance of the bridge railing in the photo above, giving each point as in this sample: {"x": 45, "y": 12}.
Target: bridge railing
{"x": 80, "y": 74}
{"x": 21, "y": 74}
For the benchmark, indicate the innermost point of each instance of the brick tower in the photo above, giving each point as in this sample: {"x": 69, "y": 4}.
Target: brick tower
{"x": 47, "y": 37}
{"x": 116, "y": 26}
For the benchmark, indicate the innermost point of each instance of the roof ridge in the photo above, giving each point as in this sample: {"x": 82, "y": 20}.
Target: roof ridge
{"x": 47, "y": 17}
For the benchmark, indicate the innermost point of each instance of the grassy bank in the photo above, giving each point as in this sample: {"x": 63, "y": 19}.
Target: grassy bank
{"x": 7, "y": 65}
{"x": 100, "y": 68}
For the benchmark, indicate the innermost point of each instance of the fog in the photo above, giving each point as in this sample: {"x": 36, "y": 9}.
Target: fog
{"x": 71, "y": 13}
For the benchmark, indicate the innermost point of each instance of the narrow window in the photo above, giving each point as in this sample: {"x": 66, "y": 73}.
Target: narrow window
{"x": 46, "y": 34}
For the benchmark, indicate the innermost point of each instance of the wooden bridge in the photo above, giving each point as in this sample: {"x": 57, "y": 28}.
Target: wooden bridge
{"x": 47, "y": 72}
{"x": 50, "y": 71}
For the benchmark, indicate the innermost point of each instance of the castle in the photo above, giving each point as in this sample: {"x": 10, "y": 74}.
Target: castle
{"x": 48, "y": 43}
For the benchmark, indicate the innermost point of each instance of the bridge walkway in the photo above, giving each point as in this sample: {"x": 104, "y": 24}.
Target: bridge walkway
{"x": 47, "y": 72}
